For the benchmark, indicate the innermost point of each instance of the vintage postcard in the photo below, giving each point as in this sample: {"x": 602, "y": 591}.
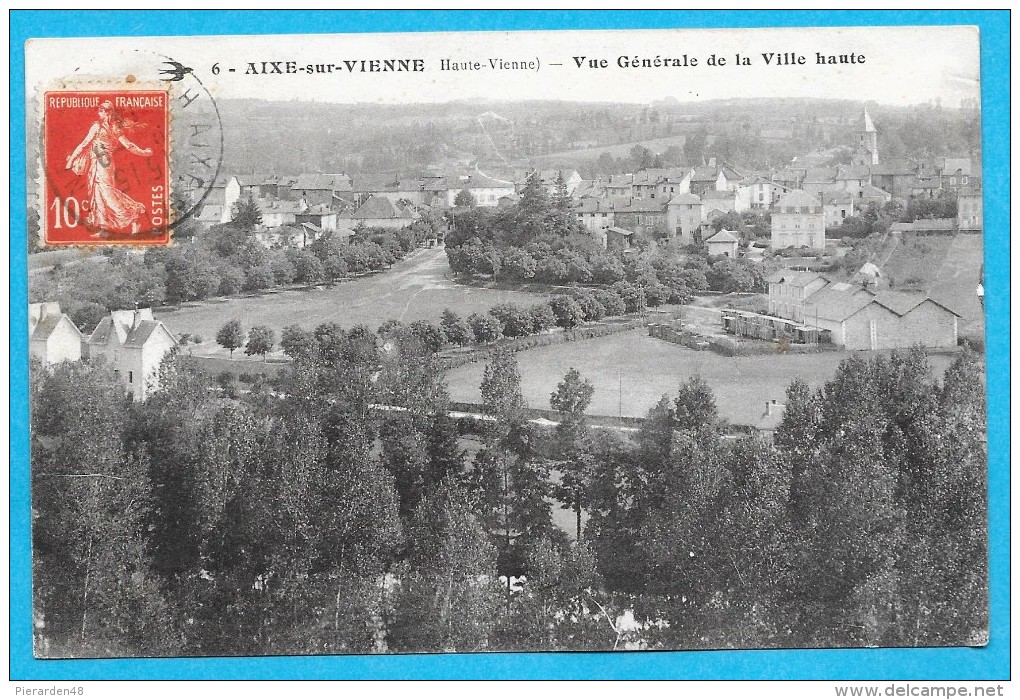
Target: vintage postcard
{"x": 507, "y": 341}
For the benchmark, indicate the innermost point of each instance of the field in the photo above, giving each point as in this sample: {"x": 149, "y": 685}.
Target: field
{"x": 415, "y": 288}
{"x": 631, "y": 371}
{"x": 620, "y": 150}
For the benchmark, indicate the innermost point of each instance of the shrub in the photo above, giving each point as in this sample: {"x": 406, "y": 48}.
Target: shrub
{"x": 656, "y": 294}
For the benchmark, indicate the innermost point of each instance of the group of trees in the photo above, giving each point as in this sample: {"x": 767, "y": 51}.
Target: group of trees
{"x": 226, "y": 259}
{"x": 260, "y": 339}
{"x": 540, "y": 240}
{"x": 877, "y": 219}
{"x": 341, "y": 512}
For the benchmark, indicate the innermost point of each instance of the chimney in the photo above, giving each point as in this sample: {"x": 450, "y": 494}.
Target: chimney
{"x": 711, "y": 162}
{"x": 137, "y": 318}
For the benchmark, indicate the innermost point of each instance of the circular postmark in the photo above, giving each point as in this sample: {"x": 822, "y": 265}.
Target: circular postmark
{"x": 129, "y": 151}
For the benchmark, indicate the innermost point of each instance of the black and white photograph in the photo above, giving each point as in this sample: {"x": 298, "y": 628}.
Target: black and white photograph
{"x": 541, "y": 341}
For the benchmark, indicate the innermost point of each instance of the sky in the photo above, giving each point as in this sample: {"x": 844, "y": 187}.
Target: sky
{"x": 902, "y": 65}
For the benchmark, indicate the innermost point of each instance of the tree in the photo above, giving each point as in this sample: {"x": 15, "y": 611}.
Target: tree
{"x": 259, "y": 278}
{"x": 464, "y": 198}
{"x": 486, "y": 328}
{"x": 457, "y": 330}
{"x": 247, "y": 215}
{"x": 308, "y": 269}
{"x": 231, "y": 280}
{"x": 571, "y": 399}
{"x": 567, "y": 311}
{"x": 431, "y": 336}
{"x": 534, "y": 198}
{"x": 448, "y": 599}
{"x": 283, "y": 269}
{"x": 261, "y": 340}
{"x": 296, "y": 342}
{"x": 515, "y": 320}
{"x": 335, "y": 268}
{"x": 501, "y": 390}
{"x": 231, "y": 335}
{"x": 94, "y": 583}
{"x": 542, "y": 317}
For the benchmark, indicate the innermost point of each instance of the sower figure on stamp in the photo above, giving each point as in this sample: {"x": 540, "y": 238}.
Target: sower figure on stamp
{"x": 110, "y": 208}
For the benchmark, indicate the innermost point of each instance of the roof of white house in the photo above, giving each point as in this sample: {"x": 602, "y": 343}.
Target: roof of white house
{"x": 48, "y": 324}
{"x": 723, "y": 236}
{"x": 798, "y": 198}
{"x": 376, "y": 207}
{"x": 141, "y": 333}
{"x": 797, "y": 278}
{"x": 686, "y": 198}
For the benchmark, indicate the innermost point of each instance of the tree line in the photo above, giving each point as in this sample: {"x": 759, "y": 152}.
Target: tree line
{"x": 344, "y": 511}
{"x": 226, "y": 259}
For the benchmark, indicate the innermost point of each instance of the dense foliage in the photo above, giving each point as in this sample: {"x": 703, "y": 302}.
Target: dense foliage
{"x": 343, "y": 510}
{"x": 540, "y": 240}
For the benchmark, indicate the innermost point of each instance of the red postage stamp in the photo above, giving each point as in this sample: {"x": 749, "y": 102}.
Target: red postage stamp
{"x": 106, "y": 167}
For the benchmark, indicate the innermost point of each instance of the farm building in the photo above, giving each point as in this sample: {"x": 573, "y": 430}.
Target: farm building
{"x": 859, "y": 319}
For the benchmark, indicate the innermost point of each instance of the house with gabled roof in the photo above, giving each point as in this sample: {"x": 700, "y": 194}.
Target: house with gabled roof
{"x": 789, "y": 288}
{"x": 134, "y": 344}
{"x": 486, "y": 191}
{"x": 684, "y": 215}
{"x": 52, "y": 335}
{"x": 861, "y": 319}
{"x": 597, "y": 215}
{"x": 706, "y": 178}
{"x": 378, "y": 212}
{"x": 724, "y": 200}
{"x": 724, "y": 243}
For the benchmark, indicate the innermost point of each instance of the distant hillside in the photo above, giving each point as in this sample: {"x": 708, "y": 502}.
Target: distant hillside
{"x": 294, "y": 136}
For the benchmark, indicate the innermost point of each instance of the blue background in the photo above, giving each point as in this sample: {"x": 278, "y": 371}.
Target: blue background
{"x": 991, "y": 662}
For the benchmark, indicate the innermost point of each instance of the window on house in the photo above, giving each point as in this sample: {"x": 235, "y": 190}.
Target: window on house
{"x": 131, "y": 377}
{"x": 964, "y": 180}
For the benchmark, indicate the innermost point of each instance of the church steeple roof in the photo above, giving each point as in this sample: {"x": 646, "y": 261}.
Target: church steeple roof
{"x": 866, "y": 123}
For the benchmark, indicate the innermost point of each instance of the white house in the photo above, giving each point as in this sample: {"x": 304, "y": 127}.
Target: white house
{"x": 798, "y": 221}
{"x": 52, "y": 335}
{"x": 684, "y": 216}
{"x": 723, "y": 243}
{"x": 134, "y": 343}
